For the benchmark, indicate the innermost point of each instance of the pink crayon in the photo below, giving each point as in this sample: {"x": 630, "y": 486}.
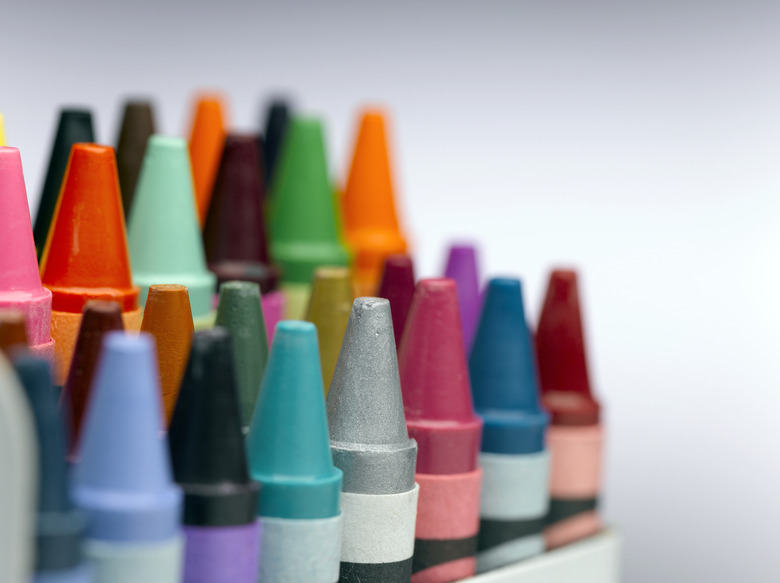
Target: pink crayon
{"x": 20, "y": 280}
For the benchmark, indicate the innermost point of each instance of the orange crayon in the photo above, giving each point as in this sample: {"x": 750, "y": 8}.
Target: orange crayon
{"x": 207, "y": 138}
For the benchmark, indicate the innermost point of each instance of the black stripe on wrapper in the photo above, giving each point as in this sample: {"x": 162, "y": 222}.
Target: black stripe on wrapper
{"x": 398, "y": 572}
{"x": 430, "y": 553}
{"x": 561, "y": 508}
{"x": 497, "y": 532}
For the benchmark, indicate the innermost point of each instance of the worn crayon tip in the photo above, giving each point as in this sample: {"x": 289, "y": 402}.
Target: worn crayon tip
{"x": 330, "y": 304}
{"x": 397, "y": 285}
{"x": 560, "y": 352}
{"x": 12, "y": 331}
{"x": 277, "y": 117}
{"x": 168, "y": 317}
{"x": 462, "y": 267}
{"x": 136, "y": 128}
{"x": 207, "y": 136}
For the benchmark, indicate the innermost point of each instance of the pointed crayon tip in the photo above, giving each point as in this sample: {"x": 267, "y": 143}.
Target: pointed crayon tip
{"x": 302, "y": 223}
{"x": 59, "y": 525}
{"x": 329, "y": 307}
{"x": 3, "y": 141}
{"x": 12, "y": 331}
{"x": 288, "y": 438}
{"x": 122, "y": 451}
{"x": 99, "y": 318}
{"x": 435, "y": 381}
{"x": 75, "y": 125}
{"x": 397, "y": 285}
{"x": 560, "y": 352}
{"x": 462, "y": 267}
{"x": 207, "y": 136}
{"x": 88, "y": 232}
{"x": 205, "y": 437}
{"x": 277, "y": 117}
{"x": 20, "y": 280}
{"x": 165, "y": 241}
{"x": 239, "y": 312}
{"x": 168, "y": 317}
{"x": 503, "y": 373}
{"x": 234, "y": 234}
{"x": 137, "y": 126}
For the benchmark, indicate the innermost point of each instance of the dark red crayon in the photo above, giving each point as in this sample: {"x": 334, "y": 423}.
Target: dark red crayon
{"x": 397, "y": 285}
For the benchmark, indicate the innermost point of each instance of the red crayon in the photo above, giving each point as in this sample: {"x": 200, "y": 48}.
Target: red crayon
{"x": 440, "y": 416}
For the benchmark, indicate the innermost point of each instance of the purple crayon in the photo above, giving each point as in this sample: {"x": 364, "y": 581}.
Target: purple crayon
{"x": 209, "y": 463}
{"x": 462, "y": 267}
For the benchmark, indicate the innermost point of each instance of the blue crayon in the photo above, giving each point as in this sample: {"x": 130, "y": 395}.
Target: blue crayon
{"x": 123, "y": 481}
{"x": 59, "y": 526}
{"x": 514, "y": 458}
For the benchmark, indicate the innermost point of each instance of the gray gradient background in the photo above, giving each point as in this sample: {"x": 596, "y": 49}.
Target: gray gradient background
{"x": 637, "y": 140}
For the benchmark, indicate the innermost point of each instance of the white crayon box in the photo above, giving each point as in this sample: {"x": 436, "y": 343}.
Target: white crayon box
{"x": 595, "y": 559}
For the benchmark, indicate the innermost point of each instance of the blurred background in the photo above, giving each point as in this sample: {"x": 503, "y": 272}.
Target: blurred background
{"x": 639, "y": 142}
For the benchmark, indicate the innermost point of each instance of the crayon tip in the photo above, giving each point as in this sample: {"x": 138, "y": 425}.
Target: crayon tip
{"x": 168, "y": 317}
{"x": 462, "y": 267}
{"x": 435, "y": 381}
{"x": 163, "y": 233}
{"x": 234, "y": 232}
{"x": 87, "y": 245}
{"x": 503, "y": 373}
{"x": 239, "y": 312}
{"x": 20, "y": 280}
{"x": 329, "y": 307}
{"x": 74, "y": 126}
{"x": 59, "y": 525}
{"x": 99, "y": 318}
{"x": 205, "y": 437}
{"x": 287, "y": 443}
{"x": 137, "y": 126}
{"x": 560, "y": 352}
{"x": 302, "y": 221}
{"x": 3, "y": 141}
{"x": 365, "y": 407}
{"x": 207, "y": 136}
{"x": 397, "y": 285}
{"x": 12, "y": 331}
{"x": 277, "y": 117}
{"x": 123, "y": 480}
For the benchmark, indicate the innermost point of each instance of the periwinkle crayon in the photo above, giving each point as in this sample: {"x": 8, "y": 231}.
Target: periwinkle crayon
{"x": 440, "y": 417}
{"x": 123, "y": 481}
{"x": 59, "y": 525}
{"x": 86, "y": 256}
{"x": 209, "y": 463}
{"x": 135, "y": 130}
{"x": 163, "y": 232}
{"x": 20, "y": 280}
{"x": 277, "y": 117}
{"x": 290, "y": 457}
{"x": 462, "y": 267}
{"x": 514, "y": 459}
{"x": 575, "y": 436}
{"x": 74, "y": 126}
{"x": 397, "y": 286}
{"x": 370, "y": 444}
{"x": 19, "y": 460}
{"x": 207, "y": 137}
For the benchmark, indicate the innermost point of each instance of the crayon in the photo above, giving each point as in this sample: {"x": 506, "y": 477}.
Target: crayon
{"x": 12, "y": 331}
{"x": 20, "y": 281}
{"x": 239, "y": 312}
{"x": 207, "y": 136}
{"x": 136, "y": 129}
{"x": 123, "y": 481}
{"x": 440, "y": 417}
{"x": 462, "y": 267}
{"x": 302, "y": 222}
{"x": 368, "y": 205}
{"x": 277, "y": 116}
{"x": 329, "y": 308}
{"x": 19, "y": 460}
{"x": 370, "y": 444}
{"x": 397, "y": 286}
{"x": 99, "y": 318}
{"x": 74, "y": 126}
{"x": 234, "y": 234}
{"x": 575, "y": 437}
{"x": 3, "y": 141}
{"x": 59, "y": 525}
{"x": 163, "y": 233}
{"x": 289, "y": 456}
{"x": 168, "y": 317}
{"x": 86, "y": 256}
{"x": 514, "y": 459}
{"x": 209, "y": 463}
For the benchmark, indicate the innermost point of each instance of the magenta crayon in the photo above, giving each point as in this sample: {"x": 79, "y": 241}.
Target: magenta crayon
{"x": 440, "y": 416}
{"x": 20, "y": 281}
{"x": 462, "y": 267}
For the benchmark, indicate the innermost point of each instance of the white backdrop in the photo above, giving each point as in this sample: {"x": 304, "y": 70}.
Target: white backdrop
{"x": 637, "y": 141}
